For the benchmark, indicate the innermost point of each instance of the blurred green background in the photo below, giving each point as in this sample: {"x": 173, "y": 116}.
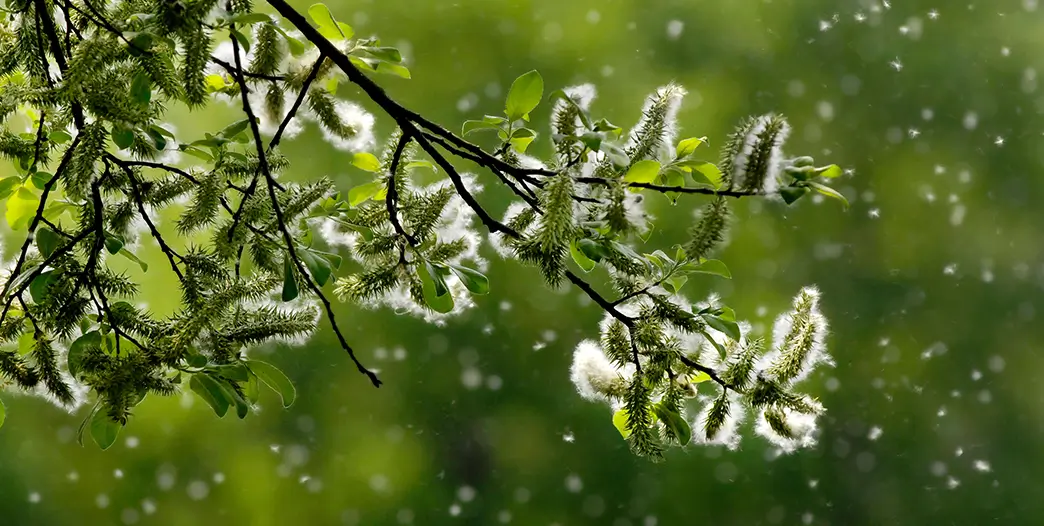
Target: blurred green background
{"x": 931, "y": 281}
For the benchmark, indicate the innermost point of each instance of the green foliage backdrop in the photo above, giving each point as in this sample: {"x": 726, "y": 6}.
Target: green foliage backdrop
{"x": 929, "y": 281}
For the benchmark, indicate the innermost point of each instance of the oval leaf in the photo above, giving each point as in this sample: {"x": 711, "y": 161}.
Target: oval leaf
{"x": 431, "y": 285}
{"x": 211, "y": 392}
{"x": 141, "y": 88}
{"x": 271, "y": 376}
{"x": 90, "y": 340}
{"x": 642, "y": 172}
{"x": 328, "y": 26}
{"x": 727, "y": 327}
{"x": 832, "y": 171}
{"x": 122, "y": 137}
{"x": 687, "y": 146}
{"x": 21, "y": 208}
{"x": 8, "y": 185}
{"x": 675, "y": 423}
{"x": 290, "y": 290}
{"x": 620, "y": 422}
{"x": 829, "y": 192}
{"x": 47, "y": 241}
{"x": 713, "y": 267}
{"x": 526, "y": 92}
{"x": 318, "y": 266}
{"x": 104, "y": 430}
{"x": 38, "y": 287}
{"x": 475, "y": 281}
{"x": 366, "y": 161}
{"x": 364, "y": 192}
{"x": 585, "y": 263}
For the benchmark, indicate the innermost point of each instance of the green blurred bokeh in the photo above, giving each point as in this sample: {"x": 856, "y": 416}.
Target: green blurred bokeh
{"x": 931, "y": 281}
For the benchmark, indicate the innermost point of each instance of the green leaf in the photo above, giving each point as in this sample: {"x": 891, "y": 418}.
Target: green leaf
{"x": 108, "y": 342}
{"x": 196, "y": 152}
{"x": 642, "y": 172}
{"x": 829, "y": 192}
{"x": 249, "y": 18}
{"x": 318, "y": 266}
{"x": 432, "y": 284}
{"x": 393, "y": 69}
{"x": 157, "y": 138}
{"x": 441, "y": 288}
{"x": 141, "y": 88}
{"x": 130, "y": 255}
{"x": 290, "y": 290}
{"x": 214, "y": 82}
{"x": 297, "y": 48}
{"x": 620, "y": 418}
{"x": 104, "y": 429}
{"x": 122, "y": 137}
{"x": 252, "y": 388}
{"x": 271, "y": 376}
{"x": 242, "y": 407}
{"x": 89, "y": 340}
{"x": 233, "y": 129}
{"x": 616, "y": 155}
{"x": 413, "y": 165}
{"x": 386, "y": 54}
{"x": 592, "y": 140}
{"x": 729, "y": 327}
{"x": 140, "y": 41}
{"x": 687, "y": 146}
{"x": 8, "y": 185}
{"x": 831, "y": 172}
{"x": 605, "y": 126}
{"x": 364, "y": 192}
{"x": 525, "y": 94}
{"x": 521, "y": 139}
{"x": 241, "y": 38}
{"x": 709, "y": 171}
{"x": 328, "y": 26}
{"x": 38, "y": 287}
{"x": 59, "y": 137}
{"x": 800, "y": 162}
{"x": 673, "y": 177}
{"x": 791, "y": 194}
{"x": 26, "y": 342}
{"x": 40, "y": 179}
{"x": 113, "y": 243}
{"x": 196, "y": 360}
{"x": 366, "y": 161}
{"x": 593, "y": 250}
{"x": 710, "y": 266}
{"x": 674, "y": 421}
{"x": 475, "y": 281}
{"x": 3, "y": 413}
{"x": 699, "y": 377}
{"x": 211, "y": 392}
{"x": 674, "y": 283}
{"x": 21, "y": 208}
{"x": 475, "y": 125}
{"x": 585, "y": 263}
{"x": 237, "y": 371}
{"x": 47, "y": 241}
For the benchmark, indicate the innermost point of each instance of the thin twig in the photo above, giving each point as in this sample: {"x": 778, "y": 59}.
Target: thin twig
{"x": 280, "y": 220}
{"x": 237, "y": 216}
{"x": 392, "y": 199}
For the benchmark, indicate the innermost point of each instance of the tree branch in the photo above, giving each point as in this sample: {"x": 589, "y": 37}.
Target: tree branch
{"x": 277, "y": 209}
{"x": 392, "y": 200}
